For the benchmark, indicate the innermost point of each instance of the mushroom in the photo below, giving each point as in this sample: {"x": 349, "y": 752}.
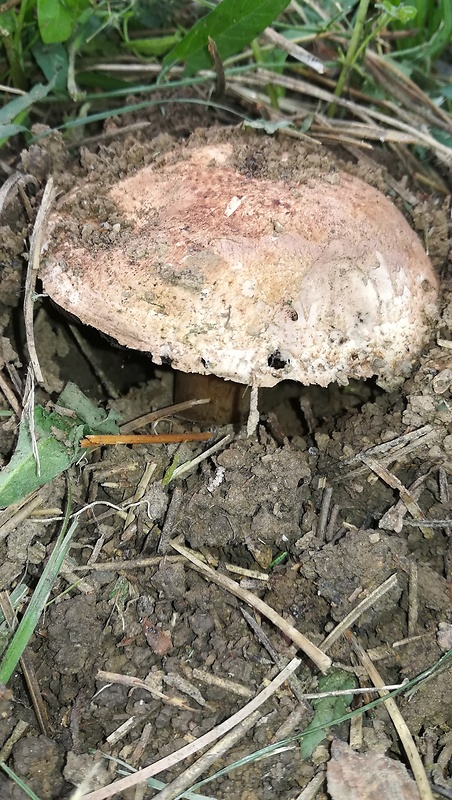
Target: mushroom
{"x": 217, "y": 268}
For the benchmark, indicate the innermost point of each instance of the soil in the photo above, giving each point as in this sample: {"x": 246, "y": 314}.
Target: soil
{"x": 302, "y": 489}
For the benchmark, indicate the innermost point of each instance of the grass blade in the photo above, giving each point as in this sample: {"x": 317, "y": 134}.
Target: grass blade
{"x": 38, "y": 600}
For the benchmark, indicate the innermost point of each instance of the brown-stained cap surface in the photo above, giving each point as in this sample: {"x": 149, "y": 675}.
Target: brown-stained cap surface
{"x": 255, "y": 279}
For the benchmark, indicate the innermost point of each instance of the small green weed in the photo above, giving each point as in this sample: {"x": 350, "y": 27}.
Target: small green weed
{"x": 53, "y": 445}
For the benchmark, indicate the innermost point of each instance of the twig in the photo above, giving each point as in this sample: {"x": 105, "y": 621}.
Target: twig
{"x": 393, "y": 450}
{"x": 223, "y": 683}
{"x": 220, "y": 82}
{"x": 170, "y": 521}
{"x": 189, "y": 776}
{"x": 429, "y": 523}
{"x": 252, "y": 574}
{"x": 16, "y": 179}
{"x": 327, "y": 496}
{"x": 393, "y": 519}
{"x": 203, "y": 741}
{"x": 263, "y": 76}
{"x": 293, "y": 681}
{"x": 17, "y": 733}
{"x": 322, "y": 661}
{"x": 32, "y": 273}
{"x": 392, "y": 481}
{"x": 294, "y": 50}
{"x": 14, "y": 515}
{"x": 119, "y": 566}
{"x": 137, "y": 683}
{"x": 153, "y": 416}
{"x": 28, "y": 403}
{"x": 362, "y": 690}
{"x": 368, "y": 602}
{"x": 253, "y": 414}
{"x": 27, "y": 668}
{"x": 413, "y": 599}
{"x": 10, "y": 396}
{"x": 99, "y": 440}
{"x": 330, "y": 528}
{"x": 399, "y": 723}
{"x": 179, "y": 471}
{"x": 140, "y": 491}
{"x": 310, "y": 791}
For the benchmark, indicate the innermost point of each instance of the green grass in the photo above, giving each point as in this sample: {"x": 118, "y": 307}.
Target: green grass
{"x": 26, "y": 628}
{"x": 72, "y": 62}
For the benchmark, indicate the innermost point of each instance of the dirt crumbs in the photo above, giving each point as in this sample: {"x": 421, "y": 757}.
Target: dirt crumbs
{"x": 335, "y": 515}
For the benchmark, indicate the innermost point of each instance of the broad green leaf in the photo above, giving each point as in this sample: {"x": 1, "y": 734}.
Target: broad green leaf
{"x": 97, "y": 420}
{"x": 53, "y": 61}
{"x": 8, "y": 23}
{"x": 232, "y": 25}
{"x": 58, "y": 18}
{"x": 327, "y": 709}
{"x": 57, "y": 440}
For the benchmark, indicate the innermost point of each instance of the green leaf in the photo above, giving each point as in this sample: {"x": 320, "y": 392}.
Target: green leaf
{"x": 58, "y": 18}
{"x": 401, "y": 13}
{"x": 10, "y": 130}
{"x": 9, "y": 112}
{"x": 327, "y": 709}
{"x": 170, "y": 471}
{"x": 96, "y": 419}
{"x": 232, "y": 25}
{"x": 53, "y": 61}
{"x": 21, "y": 476}
{"x": 57, "y": 440}
{"x": 8, "y": 23}
{"x": 153, "y": 47}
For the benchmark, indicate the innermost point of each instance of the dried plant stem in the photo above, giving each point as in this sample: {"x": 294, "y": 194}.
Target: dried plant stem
{"x": 154, "y": 416}
{"x": 119, "y": 566}
{"x": 10, "y": 396}
{"x": 138, "y": 494}
{"x": 98, "y": 440}
{"x": 137, "y": 683}
{"x": 203, "y": 741}
{"x": 368, "y": 602}
{"x": 294, "y": 50}
{"x": 170, "y": 520}
{"x": 27, "y": 667}
{"x": 399, "y": 723}
{"x": 32, "y": 273}
{"x": 391, "y": 480}
{"x": 322, "y": 661}
{"x": 190, "y": 775}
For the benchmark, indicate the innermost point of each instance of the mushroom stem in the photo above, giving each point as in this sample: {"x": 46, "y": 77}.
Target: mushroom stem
{"x": 229, "y": 401}
{"x": 253, "y": 415}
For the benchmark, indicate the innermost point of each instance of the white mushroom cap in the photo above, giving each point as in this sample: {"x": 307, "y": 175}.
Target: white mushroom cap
{"x": 251, "y": 279}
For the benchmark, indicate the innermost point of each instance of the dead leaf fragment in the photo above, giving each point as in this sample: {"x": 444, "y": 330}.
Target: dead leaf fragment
{"x": 367, "y": 776}
{"x": 159, "y": 641}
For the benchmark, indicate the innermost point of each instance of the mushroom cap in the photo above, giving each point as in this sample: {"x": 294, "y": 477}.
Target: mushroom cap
{"x": 314, "y": 279}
